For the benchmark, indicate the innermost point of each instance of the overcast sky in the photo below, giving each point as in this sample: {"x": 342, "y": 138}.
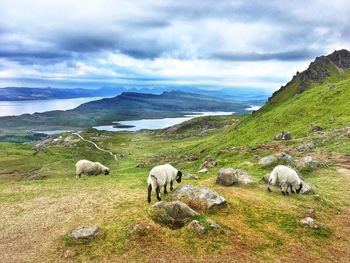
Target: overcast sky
{"x": 204, "y": 42}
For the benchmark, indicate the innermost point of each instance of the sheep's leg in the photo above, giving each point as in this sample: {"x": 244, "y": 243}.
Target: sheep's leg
{"x": 291, "y": 189}
{"x": 158, "y": 193}
{"x": 171, "y": 185}
{"x": 149, "y": 193}
{"x": 165, "y": 191}
{"x": 282, "y": 189}
{"x": 77, "y": 175}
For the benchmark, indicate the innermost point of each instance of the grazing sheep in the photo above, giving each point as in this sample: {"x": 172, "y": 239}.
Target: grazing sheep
{"x": 90, "y": 168}
{"x": 287, "y": 178}
{"x": 160, "y": 176}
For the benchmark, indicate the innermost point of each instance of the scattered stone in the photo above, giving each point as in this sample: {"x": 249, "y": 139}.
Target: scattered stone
{"x": 306, "y": 188}
{"x": 309, "y": 221}
{"x": 306, "y": 147}
{"x": 267, "y": 160}
{"x": 315, "y": 128}
{"x": 44, "y": 144}
{"x": 209, "y": 197}
{"x": 244, "y": 178}
{"x": 227, "y": 176}
{"x": 308, "y": 161}
{"x": 330, "y": 86}
{"x": 203, "y": 171}
{"x": 84, "y": 232}
{"x": 247, "y": 163}
{"x": 285, "y": 156}
{"x": 233, "y": 149}
{"x": 34, "y": 175}
{"x": 139, "y": 229}
{"x": 140, "y": 165}
{"x": 197, "y": 227}
{"x": 191, "y": 158}
{"x": 191, "y": 176}
{"x": 68, "y": 254}
{"x": 283, "y": 136}
{"x": 176, "y": 209}
{"x": 209, "y": 162}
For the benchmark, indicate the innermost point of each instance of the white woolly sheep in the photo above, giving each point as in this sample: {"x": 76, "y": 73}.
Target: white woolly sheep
{"x": 287, "y": 178}
{"x": 160, "y": 176}
{"x": 86, "y": 167}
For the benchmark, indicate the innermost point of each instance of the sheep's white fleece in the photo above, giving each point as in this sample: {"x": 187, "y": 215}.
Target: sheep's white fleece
{"x": 285, "y": 175}
{"x": 89, "y": 168}
{"x": 161, "y": 175}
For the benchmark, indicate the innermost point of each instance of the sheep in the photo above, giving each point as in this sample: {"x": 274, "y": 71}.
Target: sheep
{"x": 90, "y": 168}
{"x": 160, "y": 176}
{"x": 287, "y": 178}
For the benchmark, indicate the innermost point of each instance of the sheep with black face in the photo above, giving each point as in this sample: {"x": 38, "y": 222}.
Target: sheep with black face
{"x": 287, "y": 178}
{"x": 85, "y": 167}
{"x": 161, "y": 176}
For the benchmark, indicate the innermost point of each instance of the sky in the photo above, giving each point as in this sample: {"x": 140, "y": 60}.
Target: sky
{"x": 211, "y": 43}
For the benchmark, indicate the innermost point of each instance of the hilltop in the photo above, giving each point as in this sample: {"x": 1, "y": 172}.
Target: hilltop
{"x": 257, "y": 226}
{"x": 126, "y": 106}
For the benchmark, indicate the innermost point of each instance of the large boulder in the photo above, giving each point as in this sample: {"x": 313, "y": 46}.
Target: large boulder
{"x": 196, "y": 193}
{"x": 227, "y": 176}
{"x": 267, "y": 160}
{"x": 308, "y": 162}
{"x": 283, "y": 136}
{"x": 84, "y": 232}
{"x": 176, "y": 209}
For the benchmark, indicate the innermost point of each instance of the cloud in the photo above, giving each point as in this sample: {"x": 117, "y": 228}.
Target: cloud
{"x": 213, "y": 42}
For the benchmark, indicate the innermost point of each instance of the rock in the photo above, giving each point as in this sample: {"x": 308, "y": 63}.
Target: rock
{"x": 176, "y": 209}
{"x": 68, "y": 254}
{"x": 306, "y": 188}
{"x": 244, "y": 178}
{"x": 306, "y": 147}
{"x": 70, "y": 140}
{"x": 139, "y": 229}
{"x": 227, "y": 176}
{"x": 190, "y": 176}
{"x": 347, "y": 133}
{"x": 191, "y": 158}
{"x": 214, "y": 225}
{"x": 283, "y": 136}
{"x": 315, "y": 128}
{"x": 285, "y": 156}
{"x": 247, "y": 163}
{"x": 309, "y": 221}
{"x": 203, "y": 171}
{"x": 203, "y": 194}
{"x": 44, "y": 144}
{"x": 140, "y": 165}
{"x": 209, "y": 162}
{"x": 330, "y": 86}
{"x": 34, "y": 175}
{"x": 308, "y": 161}
{"x": 267, "y": 160}
{"x": 197, "y": 227}
{"x": 84, "y": 232}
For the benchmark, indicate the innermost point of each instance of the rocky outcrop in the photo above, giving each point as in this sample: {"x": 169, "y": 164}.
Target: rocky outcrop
{"x": 176, "y": 209}
{"x": 196, "y": 193}
{"x": 197, "y": 227}
{"x": 283, "y": 136}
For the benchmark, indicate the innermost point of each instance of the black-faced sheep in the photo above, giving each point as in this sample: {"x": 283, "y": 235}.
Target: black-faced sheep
{"x": 160, "y": 176}
{"x": 287, "y": 178}
{"x": 85, "y": 167}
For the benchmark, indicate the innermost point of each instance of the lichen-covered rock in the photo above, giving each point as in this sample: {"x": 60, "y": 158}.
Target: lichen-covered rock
{"x": 267, "y": 160}
{"x": 209, "y": 197}
{"x": 176, "y": 209}
{"x": 139, "y": 229}
{"x": 227, "y": 176}
{"x": 190, "y": 176}
{"x": 308, "y": 161}
{"x": 197, "y": 227}
{"x": 84, "y": 232}
{"x": 310, "y": 222}
{"x": 209, "y": 162}
{"x": 283, "y": 136}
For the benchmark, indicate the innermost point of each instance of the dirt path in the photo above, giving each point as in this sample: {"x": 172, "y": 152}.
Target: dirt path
{"x": 96, "y": 146}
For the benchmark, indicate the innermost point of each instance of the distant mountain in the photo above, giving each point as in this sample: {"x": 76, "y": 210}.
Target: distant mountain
{"x": 127, "y": 106}
{"x": 251, "y": 95}
{"x": 24, "y": 93}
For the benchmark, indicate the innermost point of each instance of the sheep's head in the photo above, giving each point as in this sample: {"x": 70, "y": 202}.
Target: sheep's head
{"x": 300, "y": 187}
{"x": 178, "y": 177}
{"x": 106, "y": 171}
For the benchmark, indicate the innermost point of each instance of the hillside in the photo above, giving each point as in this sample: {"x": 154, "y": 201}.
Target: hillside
{"x": 257, "y": 226}
{"x": 127, "y": 106}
